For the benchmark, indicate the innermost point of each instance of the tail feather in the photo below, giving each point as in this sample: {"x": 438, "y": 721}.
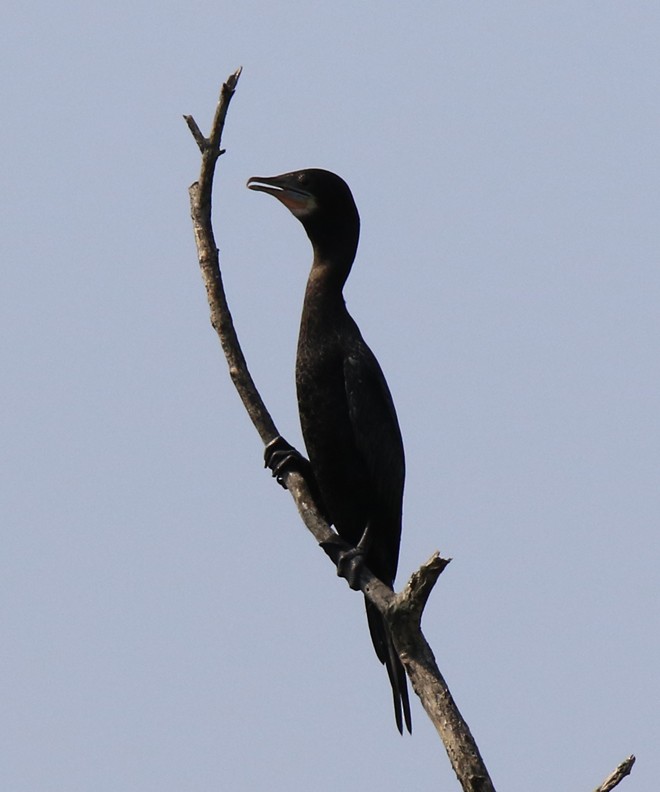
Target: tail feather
{"x": 387, "y": 655}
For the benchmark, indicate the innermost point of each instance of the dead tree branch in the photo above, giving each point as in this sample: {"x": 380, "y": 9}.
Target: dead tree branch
{"x": 403, "y": 611}
{"x": 207, "y": 251}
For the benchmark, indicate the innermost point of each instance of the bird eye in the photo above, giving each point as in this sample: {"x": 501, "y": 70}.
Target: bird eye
{"x": 302, "y": 178}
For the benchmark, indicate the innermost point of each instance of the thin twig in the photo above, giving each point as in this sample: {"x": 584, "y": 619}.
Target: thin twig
{"x": 202, "y": 142}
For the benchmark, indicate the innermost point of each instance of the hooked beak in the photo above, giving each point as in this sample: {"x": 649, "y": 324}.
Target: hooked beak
{"x": 296, "y": 200}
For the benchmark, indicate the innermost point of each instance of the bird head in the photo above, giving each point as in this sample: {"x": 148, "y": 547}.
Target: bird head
{"x": 323, "y": 203}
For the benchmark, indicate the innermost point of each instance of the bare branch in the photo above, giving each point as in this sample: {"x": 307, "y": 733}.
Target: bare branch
{"x": 200, "y": 207}
{"x": 404, "y": 618}
{"x": 617, "y": 775}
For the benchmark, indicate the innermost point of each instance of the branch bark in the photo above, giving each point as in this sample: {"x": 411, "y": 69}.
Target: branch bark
{"x": 403, "y": 611}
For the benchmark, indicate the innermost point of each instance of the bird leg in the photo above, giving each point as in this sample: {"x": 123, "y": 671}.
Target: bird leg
{"x": 351, "y": 562}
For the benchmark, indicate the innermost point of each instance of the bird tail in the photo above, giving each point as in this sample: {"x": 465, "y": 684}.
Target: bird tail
{"x": 387, "y": 655}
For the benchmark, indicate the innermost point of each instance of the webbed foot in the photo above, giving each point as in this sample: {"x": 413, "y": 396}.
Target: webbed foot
{"x": 279, "y": 456}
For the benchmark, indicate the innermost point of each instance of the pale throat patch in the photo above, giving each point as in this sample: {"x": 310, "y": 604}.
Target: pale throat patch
{"x": 298, "y": 205}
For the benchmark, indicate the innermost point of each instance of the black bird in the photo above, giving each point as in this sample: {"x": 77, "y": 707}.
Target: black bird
{"x": 347, "y": 415}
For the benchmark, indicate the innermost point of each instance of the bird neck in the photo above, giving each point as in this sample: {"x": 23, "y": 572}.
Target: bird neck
{"x": 334, "y": 244}
{"x": 324, "y": 305}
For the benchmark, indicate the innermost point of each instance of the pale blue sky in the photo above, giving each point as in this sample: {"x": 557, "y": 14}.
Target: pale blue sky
{"x": 167, "y": 623}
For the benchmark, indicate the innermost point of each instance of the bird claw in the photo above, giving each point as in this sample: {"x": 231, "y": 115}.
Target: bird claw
{"x": 350, "y": 565}
{"x": 349, "y": 562}
{"x": 280, "y": 456}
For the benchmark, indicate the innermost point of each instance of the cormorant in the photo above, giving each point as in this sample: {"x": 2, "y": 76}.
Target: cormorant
{"x": 347, "y": 415}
